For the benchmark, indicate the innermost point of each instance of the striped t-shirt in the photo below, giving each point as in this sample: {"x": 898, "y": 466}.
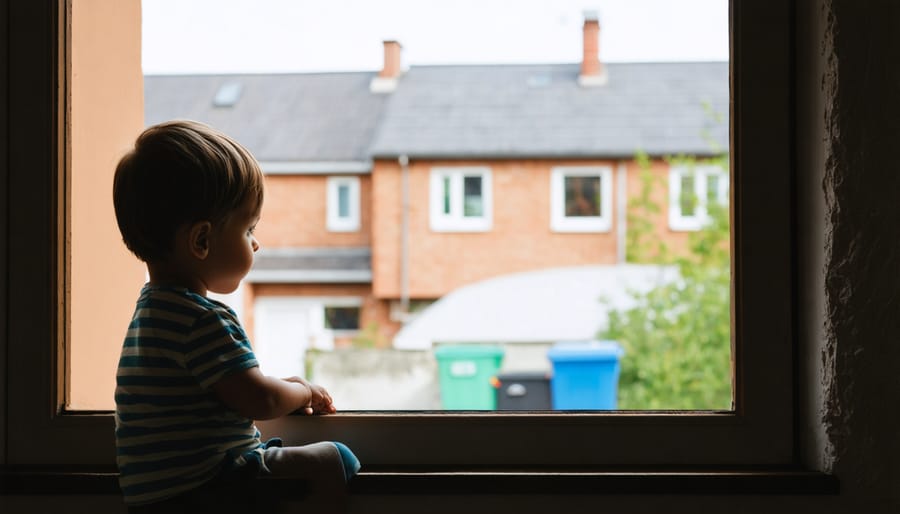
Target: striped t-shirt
{"x": 172, "y": 433}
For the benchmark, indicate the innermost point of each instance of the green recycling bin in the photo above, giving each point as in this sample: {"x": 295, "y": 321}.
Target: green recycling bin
{"x": 465, "y": 373}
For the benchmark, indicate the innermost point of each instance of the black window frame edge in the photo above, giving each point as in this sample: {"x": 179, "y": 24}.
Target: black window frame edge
{"x": 35, "y": 114}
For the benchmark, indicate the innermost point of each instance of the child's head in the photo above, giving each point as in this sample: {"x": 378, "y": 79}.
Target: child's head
{"x": 180, "y": 173}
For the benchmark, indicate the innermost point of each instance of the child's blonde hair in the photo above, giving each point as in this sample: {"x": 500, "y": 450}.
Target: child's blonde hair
{"x": 180, "y": 172}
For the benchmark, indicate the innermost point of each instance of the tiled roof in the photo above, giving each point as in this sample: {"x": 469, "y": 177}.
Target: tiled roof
{"x": 286, "y": 265}
{"x": 504, "y": 111}
{"x": 541, "y": 111}
{"x": 283, "y": 117}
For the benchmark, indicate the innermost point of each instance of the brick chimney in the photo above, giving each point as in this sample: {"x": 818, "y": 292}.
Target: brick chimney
{"x": 391, "y": 67}
{"x": 386, "y": 81}
{"x": 593, "y": 73}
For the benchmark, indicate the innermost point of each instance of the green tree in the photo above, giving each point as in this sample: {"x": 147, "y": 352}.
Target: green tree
{"x": 677, "y": 337}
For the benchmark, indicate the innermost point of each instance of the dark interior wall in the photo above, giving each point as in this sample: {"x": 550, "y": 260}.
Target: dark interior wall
{"x": 861, "y": 191}
{"x": 813, "y": 49}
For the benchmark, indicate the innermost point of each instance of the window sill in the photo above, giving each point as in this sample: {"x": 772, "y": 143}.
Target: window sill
{"x": 456, "y": 482}
{"x": 596, "y": 482}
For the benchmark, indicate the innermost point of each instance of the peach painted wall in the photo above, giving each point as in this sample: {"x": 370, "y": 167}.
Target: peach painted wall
{"x": 107, "y": 115}
{"x": 520, "y": 239}
{"x": 294, "y": 214}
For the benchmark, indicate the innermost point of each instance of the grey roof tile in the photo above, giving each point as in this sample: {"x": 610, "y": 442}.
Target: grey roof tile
{"x": 278, "y": 117}
{"x": 541, "y": 111}
{"x": 460, "y": 112}
{"x": 312, "y": 265}
{"x": 318, "y": 259}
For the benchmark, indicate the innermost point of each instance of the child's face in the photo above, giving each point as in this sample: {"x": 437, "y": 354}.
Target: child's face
{"x": 231, "y": 248}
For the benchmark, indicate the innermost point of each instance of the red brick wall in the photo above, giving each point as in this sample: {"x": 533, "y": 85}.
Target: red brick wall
{"x": 294, "y": 215}
{"x": 520, "y": 239}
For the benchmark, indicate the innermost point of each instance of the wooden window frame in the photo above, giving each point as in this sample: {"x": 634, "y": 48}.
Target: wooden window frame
{"x": 760, "y": 431}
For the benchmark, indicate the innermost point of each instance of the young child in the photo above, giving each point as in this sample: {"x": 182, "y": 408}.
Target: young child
{"x": 187, "y": 199}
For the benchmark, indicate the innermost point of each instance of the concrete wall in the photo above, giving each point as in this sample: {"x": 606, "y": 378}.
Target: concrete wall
{"x": 366, "y": 379}
{"x": 861, "y": 184}
{"x": 387, "y": 379}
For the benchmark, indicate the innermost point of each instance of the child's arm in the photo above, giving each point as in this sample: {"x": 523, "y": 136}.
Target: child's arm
{"x": 321, "y": 401}
{"x": 256, "y": 396}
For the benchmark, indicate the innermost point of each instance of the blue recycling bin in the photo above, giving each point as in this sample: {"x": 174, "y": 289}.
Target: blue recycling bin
{"x": 585, "y": 375}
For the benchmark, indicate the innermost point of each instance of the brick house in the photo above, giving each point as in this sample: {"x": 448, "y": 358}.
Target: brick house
{"x": 389, "y": 190}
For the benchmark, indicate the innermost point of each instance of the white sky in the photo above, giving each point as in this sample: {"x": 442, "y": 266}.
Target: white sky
{"x": 205, "y": 36}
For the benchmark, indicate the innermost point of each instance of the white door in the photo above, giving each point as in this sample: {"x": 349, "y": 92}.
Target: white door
{"x": 283, "y": 334}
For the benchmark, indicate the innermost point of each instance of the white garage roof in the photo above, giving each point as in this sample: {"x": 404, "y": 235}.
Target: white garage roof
{"x": 549, "y": 305}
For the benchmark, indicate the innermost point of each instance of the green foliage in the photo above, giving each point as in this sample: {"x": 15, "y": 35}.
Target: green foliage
{"x": 677, "y": 337}
{"x": 369, "y": 337}
{"x": 641, "y": 243}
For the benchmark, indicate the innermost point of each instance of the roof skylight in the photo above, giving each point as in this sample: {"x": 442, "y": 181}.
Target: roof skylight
{"x": 228, "y": 94}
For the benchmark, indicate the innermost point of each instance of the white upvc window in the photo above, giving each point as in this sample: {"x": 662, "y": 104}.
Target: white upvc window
{"x": 691, "y": 190}
{"x": 581, "y": 199}
{"x": 343, "y": 204}
{"x": 460, "y": 199}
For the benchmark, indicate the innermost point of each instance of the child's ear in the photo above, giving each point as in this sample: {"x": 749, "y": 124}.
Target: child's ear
{"x": 199, "y": 239}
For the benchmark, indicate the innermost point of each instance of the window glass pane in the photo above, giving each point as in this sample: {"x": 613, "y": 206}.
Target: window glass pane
{"x": 447, "y": 195}
{"x": 712, "y": 188}
{"x": 688, "y": 199}
{"x": 582, "y": 196}
{"x": 473, "y": 205}
{"x": 496, "y": 119}
{"x": 343, "y": 201}
{"x": 342, "y": 318}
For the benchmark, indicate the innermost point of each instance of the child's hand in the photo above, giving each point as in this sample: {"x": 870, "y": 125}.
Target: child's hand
{"x": 320, "y": 402}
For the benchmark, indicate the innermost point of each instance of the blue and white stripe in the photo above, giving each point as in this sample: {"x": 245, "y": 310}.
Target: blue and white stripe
{"x": 172, "y": 433}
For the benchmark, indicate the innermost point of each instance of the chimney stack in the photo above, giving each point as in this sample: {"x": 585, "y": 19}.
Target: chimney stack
{"x": 386, "y": 81}
{"x": 391, "y": 60}
{"x": 593, "y": 73}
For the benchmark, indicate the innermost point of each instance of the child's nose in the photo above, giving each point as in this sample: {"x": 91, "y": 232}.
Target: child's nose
{"x": 255, "y": 244}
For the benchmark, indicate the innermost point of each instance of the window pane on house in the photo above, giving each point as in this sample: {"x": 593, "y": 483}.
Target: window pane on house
{"x": 447, "y": 196}
{"x": 500, "y": 154}
{"x": 342, "y": 318}
{"x": 344, "y": 201}
{"x": 688, "y": 198}
{"x": 582, "y": 196}
{"x": 712, "y": 188}
{"x": 473, "y": 203}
